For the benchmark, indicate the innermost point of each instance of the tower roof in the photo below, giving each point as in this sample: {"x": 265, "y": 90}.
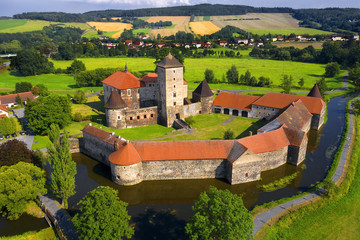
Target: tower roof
{"x": 122, "y": 80}
{"x": 115, "y": 101}
{"x": 170, "y": 62}
{"x": 125, "y": 156}
{"x": 204, "y": 90}
{"x": 315, "y": 92}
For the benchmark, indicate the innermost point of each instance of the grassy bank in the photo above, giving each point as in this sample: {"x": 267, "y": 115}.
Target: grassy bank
{"x": 44, "y": 234}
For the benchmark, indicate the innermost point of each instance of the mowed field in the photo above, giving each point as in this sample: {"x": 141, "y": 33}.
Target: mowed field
{"x": 20, "y": 25}
{"x": 180, "y": 23}
{"x": 195, "y": 69}
{"x": 111, "y": 27}
{"x": 300, "y": 45}
{"x": 204, "y": 28}
{"x": 264, "y": 23}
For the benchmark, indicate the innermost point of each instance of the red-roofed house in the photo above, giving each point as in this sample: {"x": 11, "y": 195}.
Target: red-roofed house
{"x": 3, "y": 111}
{"x": 10, "y": 100}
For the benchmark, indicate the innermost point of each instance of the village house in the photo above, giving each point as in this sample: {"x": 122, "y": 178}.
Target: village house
{"x": 223, "y": 43}
{"x": 10, "y": 100}
{"x": 3, "y": 111}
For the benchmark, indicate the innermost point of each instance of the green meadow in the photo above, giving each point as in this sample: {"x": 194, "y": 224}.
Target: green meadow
{"x": 20, "y": 25}
{"x": 141, "y": 30}
{"x": 309, "y": 31}
{"x": 195, "y": 67}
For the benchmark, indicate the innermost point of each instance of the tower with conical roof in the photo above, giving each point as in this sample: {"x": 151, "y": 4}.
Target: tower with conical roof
{"x": 171, "y": 84}
{"x": 315, "y": 91}
{"x": 115, "y": 109}
{"x": 204, "y": 95}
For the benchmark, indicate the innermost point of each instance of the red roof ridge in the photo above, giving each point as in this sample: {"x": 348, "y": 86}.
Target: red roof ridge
{"x": 234, "y": 100}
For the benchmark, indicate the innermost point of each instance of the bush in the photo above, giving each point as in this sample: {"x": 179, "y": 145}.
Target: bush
{"x": 228, "y": 134}
{"x": 78, "y": 117}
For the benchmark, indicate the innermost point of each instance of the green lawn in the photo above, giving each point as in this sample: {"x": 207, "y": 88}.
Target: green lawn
{"x": 34, "y": 25}
{"x": 11, "y": 23}
{"x": 309, "y": 31}
{"x": 94, "y": 34}
{"x": 195, "y": 67}
{"x": 44, "y": 234}
{"x": 141, "y": 30}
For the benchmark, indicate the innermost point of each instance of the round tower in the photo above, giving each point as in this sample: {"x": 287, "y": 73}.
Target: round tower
{"x": 115, "y": 110}
{"x": 126, "y": 165}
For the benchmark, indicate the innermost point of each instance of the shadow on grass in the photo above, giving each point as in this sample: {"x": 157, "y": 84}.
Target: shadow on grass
{"x": 159, "y": 225}
{"x": 98, "y": 105}
{"x": 253, "y": 128}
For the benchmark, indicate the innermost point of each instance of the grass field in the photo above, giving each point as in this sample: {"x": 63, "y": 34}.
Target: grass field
{"x": 33, "y": 25}
{"x": 116, "y": 27}
{"x": 204, "y": 28}
{"x": 94, "y": 34}
{"x": 195, "y": 69}
{"x": 141, "y": 30}
{"x": 181, "y": 24}
{"x": 44, "y": 234}
{"x": 300, "y": 45}
{"x": 337, "y": 219}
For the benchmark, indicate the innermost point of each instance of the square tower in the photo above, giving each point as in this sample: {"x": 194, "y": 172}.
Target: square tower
{"x": 171, "y": 84}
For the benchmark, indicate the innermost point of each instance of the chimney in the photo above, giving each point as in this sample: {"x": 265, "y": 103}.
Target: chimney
{"x": 250, "y": 133}
{"x": 90, "y": 124}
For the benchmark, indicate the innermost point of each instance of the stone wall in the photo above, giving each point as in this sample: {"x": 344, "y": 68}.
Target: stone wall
{"x": 115, "y": 118}
{"x": 141, "y": 117}
{"x": 246, "y": 169}
{"x": 192, "y": 109}
{"x": 232, "y": 111}
{"x": 127, "y": 175}
{"x": 274, "y": 159}
{"x": 74, "y": 145}
{"x": 296, "y": 155}
{"x": 96, "y": 148}
{"x": 184, "y": 169}
{"x": 206, "y": 105}
{"x": 149, "y": 94}
{"x": 318, "y": 120}
{"x": 261, "y": 112}
{"x": 130, "y": 96}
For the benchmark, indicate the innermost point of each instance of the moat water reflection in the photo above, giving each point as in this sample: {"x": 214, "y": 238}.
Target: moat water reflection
{"x": 167, "y": 204}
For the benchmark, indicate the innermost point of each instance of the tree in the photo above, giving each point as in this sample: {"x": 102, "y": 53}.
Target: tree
{"x": 9, "y": 125}
{"x": 332, "y": 69}
{"x": 23, "y": 87}
{"x": 29, "y": 63}
{"x": 103, "y": 216}
{"x": 209, "y": 76}
{"x": 40, "y": 90}
{"x": 228, "y": 134}
{"x": 80, "y": 97}
{"x": 19, "y": 184}
{"x": 286, "y": 83}
{"x": 354, "y": 74}
{"x": 232, "y": 75}
{"x": 19, "y": 101}
{"x": 301, "y": 82}
{"x": 64, "y": 168}
{"x": 76, "y": 66}
{"x": 52, "y": 109}
{"x": 322, "y": 86}
{"x": 219, "y": 214}
{"x": 14, "y": 151}
{"x": 356, "y": 107}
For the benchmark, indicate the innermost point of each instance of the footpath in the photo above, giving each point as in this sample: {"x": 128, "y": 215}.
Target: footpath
{"x": 261, "y": 219}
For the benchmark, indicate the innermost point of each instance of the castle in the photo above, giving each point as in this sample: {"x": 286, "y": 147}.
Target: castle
{"x": 130, "y": 102}
{"x": 155, "y": 98}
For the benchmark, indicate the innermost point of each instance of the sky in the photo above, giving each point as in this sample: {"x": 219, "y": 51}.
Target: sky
{"x": 11, "y": 7}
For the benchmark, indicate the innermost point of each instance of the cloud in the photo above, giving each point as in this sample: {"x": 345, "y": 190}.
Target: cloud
{"x": 154, "y": 3}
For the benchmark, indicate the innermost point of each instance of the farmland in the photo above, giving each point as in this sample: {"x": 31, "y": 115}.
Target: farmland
{"x": 180, "y": 23}
{"x": 111, "y": 27}
{"x": 20, "y": 25}
{"x": 204, "y": 28}
{"x": 300, "y": 45}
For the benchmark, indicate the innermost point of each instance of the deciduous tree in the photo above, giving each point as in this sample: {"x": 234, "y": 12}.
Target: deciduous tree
{"x": 209, "y": 76}
{"x": 14, "y": 151}
{"x": 64, "y": 168}
{"x": 103, "y": 216}
{"x": 23, "y": 87}
{"x": 232, "y": 75}
{"x": 322, "y": 86}
{"x": 332, "y": 69}
{"x": 19, "y": 184}
{"x": 286, "y": 83}
{"x": 219, "y": 214}
{"x": 354, "y": 74}
{"x": 80, "y": 97}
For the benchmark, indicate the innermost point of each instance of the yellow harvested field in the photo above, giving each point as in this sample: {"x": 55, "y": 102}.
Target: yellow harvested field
{"x": 257, "y": 21}
{"x": 180, "y": 23}
{"x": 111, "y": 27}
{"x": 204, "y": 28}
{"x": 116, "y": 18}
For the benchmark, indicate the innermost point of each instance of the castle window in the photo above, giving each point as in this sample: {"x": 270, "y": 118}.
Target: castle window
{"x": 129, "y": 92}
{"x": 174, "y": 79}
{"x": 174, "y": 94}
{"x": 138, "y": 117}
{"x": 119, "y": 118}
{"x": 131, "y": 118}
{"x": 144, "y": 116}
{"x": 152, "y": 115}
{"x": 174, "y": 103}
{"x": 246, "y": 174}
{"x": 174, "y": 86}
{"x": 174, "y": 71}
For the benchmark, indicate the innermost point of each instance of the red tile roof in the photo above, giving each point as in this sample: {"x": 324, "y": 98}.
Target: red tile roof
{"x": 101, "y": 134}
{"x": 150, "y": 77}
{"x": 280, "y": 101}
{"x": 266, "y": 142}
{"x": 122, "y": 80}
{"x": 126, "y": 155}
{"x": 233, "y": 100}
{"x": 295, "y": 136}
{"x": 2, "y": 115}
{"x": 3, "y": 108}
{"x": 184, "y": 82}
{"x": 11, "y": 98}
{"x": 184, "y": 150}
{"x": 295, "y": 116}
